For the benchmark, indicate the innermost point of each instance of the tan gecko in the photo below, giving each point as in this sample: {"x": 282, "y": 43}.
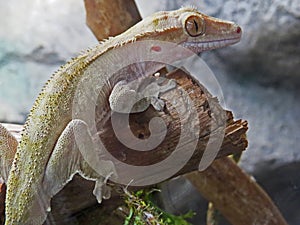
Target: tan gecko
{"x": 48, "y": 156}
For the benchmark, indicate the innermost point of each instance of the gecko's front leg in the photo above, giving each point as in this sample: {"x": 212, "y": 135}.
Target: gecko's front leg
{"x": 138, "y": 95}
{"x": 74, "y": 153}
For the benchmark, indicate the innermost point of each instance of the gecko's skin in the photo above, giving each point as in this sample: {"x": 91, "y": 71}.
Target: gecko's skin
{"x": 47, "y": 156}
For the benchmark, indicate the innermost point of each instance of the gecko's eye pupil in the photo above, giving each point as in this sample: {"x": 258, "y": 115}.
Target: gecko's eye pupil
{"x": 195, "y": 26}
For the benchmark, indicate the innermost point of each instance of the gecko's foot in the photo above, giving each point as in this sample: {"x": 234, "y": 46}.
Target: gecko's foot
{"x": 157, "y": 103}
{"x": 160, "y": 88}
{"x": 138, "y": 95}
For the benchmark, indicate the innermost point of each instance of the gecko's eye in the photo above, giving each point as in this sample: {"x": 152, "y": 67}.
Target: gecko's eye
{"x": 195, "y": 26}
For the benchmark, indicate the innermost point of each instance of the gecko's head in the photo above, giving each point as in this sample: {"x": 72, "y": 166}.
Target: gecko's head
{"x": 205, "y": 32}
{"x": 192, "y": 29}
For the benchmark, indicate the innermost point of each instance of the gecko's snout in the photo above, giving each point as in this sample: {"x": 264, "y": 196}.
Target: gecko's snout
{"x": 238, "y": 30}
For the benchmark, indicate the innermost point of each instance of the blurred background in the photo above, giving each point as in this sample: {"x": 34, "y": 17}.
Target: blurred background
{"x": 259, "y": 77}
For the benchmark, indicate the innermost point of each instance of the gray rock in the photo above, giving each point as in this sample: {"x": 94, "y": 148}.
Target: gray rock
{"x": 36, "y": 38}
{"x": 282, "y": 184}
{"x": 270, "y": 49}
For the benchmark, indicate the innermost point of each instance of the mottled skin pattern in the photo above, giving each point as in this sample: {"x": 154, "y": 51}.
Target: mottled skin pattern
{"x": 52, "y": 111}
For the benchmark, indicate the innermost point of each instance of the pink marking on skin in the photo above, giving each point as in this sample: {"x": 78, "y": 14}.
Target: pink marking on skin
{"x": 156, "y": 48}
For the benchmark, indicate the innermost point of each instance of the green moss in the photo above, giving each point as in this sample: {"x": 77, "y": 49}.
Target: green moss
{"x": 144, "y": 212}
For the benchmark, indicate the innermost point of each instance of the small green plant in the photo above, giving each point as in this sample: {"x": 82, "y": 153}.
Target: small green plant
{"x": 142, "y": 211}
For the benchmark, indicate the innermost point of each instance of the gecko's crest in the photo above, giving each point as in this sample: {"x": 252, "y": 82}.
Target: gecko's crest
{"x": 190, "y": 7}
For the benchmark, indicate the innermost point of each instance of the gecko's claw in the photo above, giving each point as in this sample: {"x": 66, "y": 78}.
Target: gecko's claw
{"x": 157, "y": 103}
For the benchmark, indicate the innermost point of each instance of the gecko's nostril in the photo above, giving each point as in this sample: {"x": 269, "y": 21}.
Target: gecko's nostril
{"x": 238, "y": 29}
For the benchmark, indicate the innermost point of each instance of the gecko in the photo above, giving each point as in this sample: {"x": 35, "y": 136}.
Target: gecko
{"x": 48, "y": 156}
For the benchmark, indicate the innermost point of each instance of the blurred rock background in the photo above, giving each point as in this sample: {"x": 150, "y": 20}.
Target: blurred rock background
{"x": 259, "y": 76}
{"x": 36, "y": 38}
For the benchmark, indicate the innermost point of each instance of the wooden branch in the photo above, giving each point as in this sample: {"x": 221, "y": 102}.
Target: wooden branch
{"x": 238, "y": 197}
{"x": 234, "y": 142}
{"x": 110, "y": 18}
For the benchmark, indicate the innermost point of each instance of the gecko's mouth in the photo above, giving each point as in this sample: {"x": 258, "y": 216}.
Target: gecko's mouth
{"x": 208, "y": 45}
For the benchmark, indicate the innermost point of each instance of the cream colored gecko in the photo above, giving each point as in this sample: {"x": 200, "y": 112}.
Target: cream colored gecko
{"x": 48, "y": 156}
